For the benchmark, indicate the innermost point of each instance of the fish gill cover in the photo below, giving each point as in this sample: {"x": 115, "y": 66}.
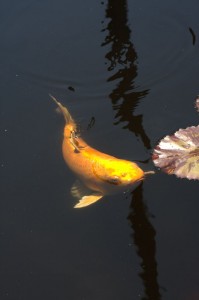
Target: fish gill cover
{"x": 179, "y": 153}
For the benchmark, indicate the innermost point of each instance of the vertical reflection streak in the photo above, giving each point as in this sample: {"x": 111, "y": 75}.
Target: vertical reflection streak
{"x": 144, "y": 239}
{"x": 122, "y": 59}
{"x": 125, "y": 97}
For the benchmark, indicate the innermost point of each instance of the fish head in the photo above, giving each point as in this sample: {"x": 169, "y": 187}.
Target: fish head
{"x": 126, "y": 173}
{"x": 118, "y": 174}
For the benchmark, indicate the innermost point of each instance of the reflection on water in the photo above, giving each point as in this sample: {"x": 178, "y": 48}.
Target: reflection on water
{"x": 144, "y": 238}
{"x": 122, "y": 59}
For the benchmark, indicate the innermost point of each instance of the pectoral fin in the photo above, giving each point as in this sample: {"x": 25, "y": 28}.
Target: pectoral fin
{"x": 87, "y": 200}
{"x": 84, "y": 195}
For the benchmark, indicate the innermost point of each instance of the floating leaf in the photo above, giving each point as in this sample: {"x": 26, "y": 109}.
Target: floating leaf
{"x": 179, "y": 153}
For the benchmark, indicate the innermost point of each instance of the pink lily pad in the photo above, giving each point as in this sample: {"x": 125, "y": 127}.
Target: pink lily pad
{"x": 179, "y": 153}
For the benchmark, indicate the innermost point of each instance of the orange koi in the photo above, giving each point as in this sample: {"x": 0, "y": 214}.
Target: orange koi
{"x": 99, "y": 173}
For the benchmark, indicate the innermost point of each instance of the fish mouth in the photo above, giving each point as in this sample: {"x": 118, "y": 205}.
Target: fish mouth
{"x": 145, "y": 173}
{"x": 131, "y": 182}
{"x": 143, "y": 176}
{"x": 140, "y": 179}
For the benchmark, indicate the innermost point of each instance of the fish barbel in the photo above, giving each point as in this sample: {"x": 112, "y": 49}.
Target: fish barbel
{"x": 99, "y": 173}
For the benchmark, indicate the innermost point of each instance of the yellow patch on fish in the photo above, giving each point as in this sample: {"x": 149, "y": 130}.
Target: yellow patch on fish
{"x": 100, "y": 173}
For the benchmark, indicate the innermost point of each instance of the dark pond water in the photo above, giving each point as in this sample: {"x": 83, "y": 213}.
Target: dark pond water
{"x": 133, "y": 68}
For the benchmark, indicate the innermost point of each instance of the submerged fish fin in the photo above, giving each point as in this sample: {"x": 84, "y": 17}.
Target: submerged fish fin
{"x": 67, "y": 116}
{"x": 87, "y": 200}
{"x": 84, "y": 195}
{"x": 79, "y": 190}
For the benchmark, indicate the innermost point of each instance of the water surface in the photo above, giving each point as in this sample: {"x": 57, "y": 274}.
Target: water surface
{"x": 128, "y": 71}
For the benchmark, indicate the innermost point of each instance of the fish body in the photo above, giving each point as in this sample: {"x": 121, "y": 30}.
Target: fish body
{"x": 100, "y": 173}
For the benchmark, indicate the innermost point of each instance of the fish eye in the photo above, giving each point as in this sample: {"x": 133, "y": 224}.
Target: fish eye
{"x": 114, "y": 180}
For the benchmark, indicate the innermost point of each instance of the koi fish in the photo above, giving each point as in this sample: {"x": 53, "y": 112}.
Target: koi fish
{"x": 99, "y": 173}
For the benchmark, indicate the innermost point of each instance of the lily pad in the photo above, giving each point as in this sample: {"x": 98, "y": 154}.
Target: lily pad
{"x": 179, "y": 153}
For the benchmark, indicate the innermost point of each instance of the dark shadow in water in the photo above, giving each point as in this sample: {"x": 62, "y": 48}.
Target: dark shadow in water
{"x": 193, "y": 35}
{"x": 122, "y": 59}
{"x": 144, "y": 239}
{"x": 91, "y": 123}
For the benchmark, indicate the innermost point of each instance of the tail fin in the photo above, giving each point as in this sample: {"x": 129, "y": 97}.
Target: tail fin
{"x": 67, "y": 116}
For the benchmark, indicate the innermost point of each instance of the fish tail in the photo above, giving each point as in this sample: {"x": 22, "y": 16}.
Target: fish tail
{"x": 67, "y": 116}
